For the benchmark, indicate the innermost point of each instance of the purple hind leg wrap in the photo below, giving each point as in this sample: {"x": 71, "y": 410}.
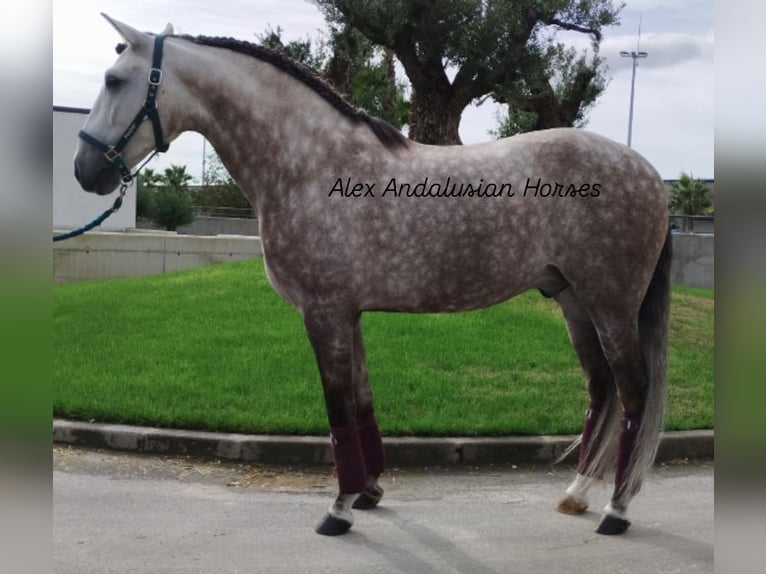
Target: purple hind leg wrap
{"x": 349, "y": 460}
{"x": 372, "y": 444}
{"x": 630, "y": 426}
{"x": 591, "y": 418}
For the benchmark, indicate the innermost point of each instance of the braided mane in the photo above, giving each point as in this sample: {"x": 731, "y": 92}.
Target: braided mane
{"x": 385, "y": 132}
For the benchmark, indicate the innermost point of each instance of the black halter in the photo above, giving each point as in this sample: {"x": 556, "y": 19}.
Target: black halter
{"x": 114, "y": 152}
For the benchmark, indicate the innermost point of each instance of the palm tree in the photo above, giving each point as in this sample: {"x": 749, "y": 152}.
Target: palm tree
{"x": 690, "y": 196}
{"x": 176, "y": 177}
{"x": 164, "y": 198}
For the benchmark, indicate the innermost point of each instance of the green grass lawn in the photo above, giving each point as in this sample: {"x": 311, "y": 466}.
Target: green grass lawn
{"x": 216, "y": 348}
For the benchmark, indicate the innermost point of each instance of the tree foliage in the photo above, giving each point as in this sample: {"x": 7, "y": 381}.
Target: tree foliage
{"x": 559, "y": 94}
{"x": 164, "y": 198}
{"x": 148, "y": 181}
{"x": 359, "y": 70}
{"x": 504, "y": 49}
{"x": 219, "y": 189}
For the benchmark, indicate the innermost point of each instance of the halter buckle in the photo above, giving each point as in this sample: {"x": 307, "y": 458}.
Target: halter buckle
{"x": 155, "y": 77}
{"x": 112, "y": 154}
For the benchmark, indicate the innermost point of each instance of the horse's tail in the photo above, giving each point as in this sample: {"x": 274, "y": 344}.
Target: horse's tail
{"x": 653, "y": 332}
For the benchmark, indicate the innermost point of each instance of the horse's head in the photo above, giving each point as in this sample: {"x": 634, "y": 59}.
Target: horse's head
{"x": 116, "y": 134}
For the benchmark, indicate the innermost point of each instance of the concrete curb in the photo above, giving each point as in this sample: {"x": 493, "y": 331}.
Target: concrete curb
{"x": 400, "y": 451}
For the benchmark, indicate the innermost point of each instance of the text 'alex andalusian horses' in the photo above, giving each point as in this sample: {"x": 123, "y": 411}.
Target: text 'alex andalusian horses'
{"x": 354, "y": 217}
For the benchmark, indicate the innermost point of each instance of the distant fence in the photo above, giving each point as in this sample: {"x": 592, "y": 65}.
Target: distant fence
{"x": 232, "y": 221}
{"x": 693, "y": 223}
{"x": 221, "y": 221}
{"x": 213, "y": 211}
{"x": 207, "y": 225}
{"x": 214, "y": 221}
{"x": 238, "y": 221}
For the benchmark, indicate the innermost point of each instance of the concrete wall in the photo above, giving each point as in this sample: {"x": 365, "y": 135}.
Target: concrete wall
{"x": 692, "y": 260}
{"x": 106, "y": 255}
{"x": 72, "y": 207}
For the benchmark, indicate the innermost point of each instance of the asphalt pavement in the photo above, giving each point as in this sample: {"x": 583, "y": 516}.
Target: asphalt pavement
{"x": 131, "y": 513}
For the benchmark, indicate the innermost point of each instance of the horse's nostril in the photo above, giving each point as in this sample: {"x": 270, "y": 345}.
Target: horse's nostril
{"x": 76, "y": 171}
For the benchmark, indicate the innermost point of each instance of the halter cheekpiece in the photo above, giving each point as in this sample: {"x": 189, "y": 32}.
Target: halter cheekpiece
{"x": 149, "y": 110}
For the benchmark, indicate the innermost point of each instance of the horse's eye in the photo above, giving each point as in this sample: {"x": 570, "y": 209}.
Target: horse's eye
{"x": 112, "y": 81}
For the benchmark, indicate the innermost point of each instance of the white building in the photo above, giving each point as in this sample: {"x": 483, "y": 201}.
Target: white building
{"x": 73, "y": 207}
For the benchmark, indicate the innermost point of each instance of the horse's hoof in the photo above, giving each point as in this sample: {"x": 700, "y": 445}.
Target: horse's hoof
{"x": 572, "y": 505}
{"x": 332, "y": 526}
{"x": 611, "y": 525}
{"x": 369, "y": 499}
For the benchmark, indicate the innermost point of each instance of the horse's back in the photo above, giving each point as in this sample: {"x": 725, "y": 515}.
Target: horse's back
{"x": 560, "y": 184}
{"x": 576, "y": 203}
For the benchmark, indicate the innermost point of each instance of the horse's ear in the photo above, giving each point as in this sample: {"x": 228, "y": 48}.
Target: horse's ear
{"x": 168, "y": 31}
{"x": 132, "y": 36}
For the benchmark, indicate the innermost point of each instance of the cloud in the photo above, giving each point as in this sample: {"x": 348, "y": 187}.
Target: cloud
{"x": 664, "y": 49}
{"x": 678, "y": 5}
{"x": 673, "y": 115}
{"x": 243, "y": 19}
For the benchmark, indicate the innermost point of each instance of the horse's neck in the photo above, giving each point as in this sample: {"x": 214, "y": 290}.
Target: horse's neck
{"x": 264, "y": 124}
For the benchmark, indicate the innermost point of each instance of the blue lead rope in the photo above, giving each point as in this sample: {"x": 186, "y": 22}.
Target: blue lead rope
{"x": 95, "y": 223}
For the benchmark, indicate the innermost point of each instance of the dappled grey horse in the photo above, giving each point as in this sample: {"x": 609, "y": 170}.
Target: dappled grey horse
{"x": 354, "y": 217}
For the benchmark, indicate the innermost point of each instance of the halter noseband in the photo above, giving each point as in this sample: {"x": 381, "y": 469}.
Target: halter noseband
{"x": 114, "y": 152}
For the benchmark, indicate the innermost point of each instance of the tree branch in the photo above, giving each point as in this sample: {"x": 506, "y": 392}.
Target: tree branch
{"x": 572, "y": 104}
{"x": 574, "y": 27}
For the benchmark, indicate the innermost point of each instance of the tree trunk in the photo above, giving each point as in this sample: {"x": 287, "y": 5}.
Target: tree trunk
{"x": 389, "y": 101}
{"x": 435, "y": 118}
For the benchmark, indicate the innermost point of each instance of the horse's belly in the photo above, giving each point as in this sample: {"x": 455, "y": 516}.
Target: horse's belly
{"x": 446, "y": 283}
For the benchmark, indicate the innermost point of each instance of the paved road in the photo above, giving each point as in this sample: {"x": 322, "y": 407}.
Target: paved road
{"x": 120, "y": 513}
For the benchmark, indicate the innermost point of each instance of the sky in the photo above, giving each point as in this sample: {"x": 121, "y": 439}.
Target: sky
{"x": 673, "y": 119}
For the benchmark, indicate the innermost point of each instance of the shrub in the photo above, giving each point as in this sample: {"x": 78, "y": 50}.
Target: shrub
{"x": 171, "y": 208}
{"x": 165, "y": 198}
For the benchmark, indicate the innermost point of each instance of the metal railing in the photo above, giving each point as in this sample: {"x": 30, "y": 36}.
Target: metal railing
{"x": 692, "y": 223}
{"x": 680, "y": 223}
{"x": 213, "y": 211}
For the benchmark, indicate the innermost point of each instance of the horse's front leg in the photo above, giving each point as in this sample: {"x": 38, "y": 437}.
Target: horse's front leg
{"x": 331, "y": 335}
{"x": 369, "y": 434}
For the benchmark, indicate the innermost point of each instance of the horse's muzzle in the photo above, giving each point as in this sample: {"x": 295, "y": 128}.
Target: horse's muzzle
{"x": 96, "y": 174}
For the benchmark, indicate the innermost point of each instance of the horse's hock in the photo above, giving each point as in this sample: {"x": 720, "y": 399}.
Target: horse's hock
{"x": 108, "y": 255}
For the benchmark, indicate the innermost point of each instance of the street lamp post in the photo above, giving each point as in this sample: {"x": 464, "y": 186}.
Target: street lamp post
{"x": 204, "y": 180}
{"x": 637, "y": 55}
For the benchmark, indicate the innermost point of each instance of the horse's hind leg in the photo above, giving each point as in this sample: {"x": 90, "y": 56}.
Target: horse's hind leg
{"x": 622, "y": 348}
{"x": 594, "y": 449}
{"x": 369, "y": 434}
{"x": 331, "y": 336}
